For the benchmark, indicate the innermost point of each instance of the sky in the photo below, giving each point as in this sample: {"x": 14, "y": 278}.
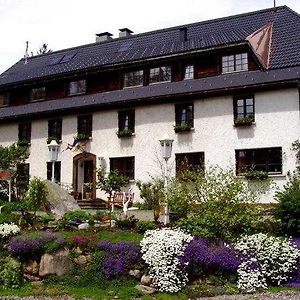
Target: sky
{"x": 67, "y": 23}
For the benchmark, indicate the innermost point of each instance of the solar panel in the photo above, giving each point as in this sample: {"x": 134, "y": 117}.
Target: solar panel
{"x": 55, "y": 60}
{"x": 125, "y": 46}
{"x": 67, "y": 57}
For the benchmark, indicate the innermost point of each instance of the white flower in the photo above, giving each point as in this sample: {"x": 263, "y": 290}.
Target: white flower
{"x": 265, "y": 259}
{"x": 161, "y": 250}
{"x": 7, "y": 230}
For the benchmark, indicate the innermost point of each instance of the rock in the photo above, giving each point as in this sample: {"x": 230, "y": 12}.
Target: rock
{"x": 31, "y": 277}
{"x": 55, "y": 264}
{"x": 89, "y": 257}
{"x": 135, "y": 273}
{"x": 113, "y": 223}
{"x": 146, "y": 280}
{"x": 147, "y": 290}
{"x": 31, "y": 267}
{"x": 83, "y": 226}
{"x": 78, "y": 250}
{"x": 81, "y": 260}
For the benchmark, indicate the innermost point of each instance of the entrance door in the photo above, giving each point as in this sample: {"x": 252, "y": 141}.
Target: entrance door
{"x": 84, "y": 175}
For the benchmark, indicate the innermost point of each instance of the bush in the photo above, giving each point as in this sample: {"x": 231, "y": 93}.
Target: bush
{"x": 36, "y": 196}
{"x": 287, "y": 210}
{"x": 265, "y": 260}
{"x": 219, "y": 205}
{"x": 153, "y": 195}
{"x": 77, "y": 216}
{"x": 161, "y": 251}
{"x": 9, "y": 218}
{"x": 126, "y": 223}
{"x": 143, "y": 226}
{"x": 46, "y": 218}
{"x": 11, "y": 274}
{"x": 205, "y": 258}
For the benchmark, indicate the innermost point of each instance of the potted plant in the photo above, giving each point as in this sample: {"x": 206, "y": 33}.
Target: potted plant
{"x": 252, "y": 174}
{"x": 88, "y": 190}
{"x": 81, "y": 137}
{"x": 183, "y": 127}
{"x": 124, "y": 133}
{"x": 244, "y": 121}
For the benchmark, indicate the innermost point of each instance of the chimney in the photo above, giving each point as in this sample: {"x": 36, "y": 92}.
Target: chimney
{"x": 125, "y": 32}
{"x": 104, "y": 36}
{"x": 183, "y": 34}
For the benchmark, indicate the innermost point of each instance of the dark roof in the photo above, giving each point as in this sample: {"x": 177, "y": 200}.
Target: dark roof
{"x": 200, "y": 36}
{"x": 204, "y": 86}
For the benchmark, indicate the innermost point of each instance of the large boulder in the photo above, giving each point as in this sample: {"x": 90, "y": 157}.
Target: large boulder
{"x": 59, "y": 199}
{"x": 58, "y": 263}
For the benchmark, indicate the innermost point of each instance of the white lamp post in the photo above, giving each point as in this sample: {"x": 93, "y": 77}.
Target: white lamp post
{"x": 53, "y": 149}
{"x": 166, "y": 151}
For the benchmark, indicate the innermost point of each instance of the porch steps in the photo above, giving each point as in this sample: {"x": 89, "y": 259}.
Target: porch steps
{"x": 92, "y": 204}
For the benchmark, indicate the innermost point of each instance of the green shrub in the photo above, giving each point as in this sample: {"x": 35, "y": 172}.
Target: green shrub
{"x": 153, "y": 195}
{"x": 46, "y": 218}
{"x": 143, "y": 226}
{"x": 75, "y": 215}
{"x": 9, "y": 218}
{"x": 217, "y": 204}
{"x": 11, "y": 273}
{"x": 126, "y": 223}
{"x": 287, "y": 209}
{"x": 36, "y": 196}
{"x": 13, "y": 206}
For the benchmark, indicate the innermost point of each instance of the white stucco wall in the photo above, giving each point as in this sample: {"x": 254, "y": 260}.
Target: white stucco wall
{"x": 277, "y": 124}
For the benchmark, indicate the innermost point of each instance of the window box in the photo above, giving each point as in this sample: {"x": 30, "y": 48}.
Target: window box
{"x": 124, "y": 133}
{"x": 183, "y": 128}
{"x": 256, "y": 175}
{"x": 244, "y": 121}
{"x": 81, "y": 137}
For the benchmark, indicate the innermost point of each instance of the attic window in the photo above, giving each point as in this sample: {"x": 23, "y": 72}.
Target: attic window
{"x": 125, "y": 46}
{"x": 62, "y": 59}
{"x": 67, "y": 58}
{"x": 235, "y": 63}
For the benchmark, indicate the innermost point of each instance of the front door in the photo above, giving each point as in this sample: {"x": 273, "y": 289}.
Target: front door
{"x": 84, "y": 176}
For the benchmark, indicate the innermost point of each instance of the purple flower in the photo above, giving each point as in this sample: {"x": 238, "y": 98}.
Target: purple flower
{"x": 118, "y": 258}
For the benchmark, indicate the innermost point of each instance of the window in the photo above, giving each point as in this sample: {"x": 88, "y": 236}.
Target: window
{"x": 243, "y": 108}
{"x": 24, "y": 133}
{"x": 189, "y": 72}
{"x": 57, "y": 171}
{"x": 184, "y": 114}
{"x": 126, "y": 120}
{"x": 54, "y": 129}
{"x": 160, "y": 75}
{"x": 3, "y": 99}
{"x": 236, "y": 62}
{"x": 261, "y": 159}
{"x": 135, "y": 78}
{"x": 84, "y": 125}
{"x": 77, "y": 87}
{"x": 189, "y": 161}
{"x": 22, "y": 178}
{"x": 38, "y": 94}
{"x": 124, "y": 166}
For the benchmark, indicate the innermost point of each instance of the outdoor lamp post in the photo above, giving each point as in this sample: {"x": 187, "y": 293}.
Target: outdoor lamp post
{"x": 53, "y": 149}
{"x": 166, "y": 151}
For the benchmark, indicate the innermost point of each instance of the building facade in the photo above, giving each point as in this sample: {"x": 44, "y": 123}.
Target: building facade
{"x": 226, "y": 91}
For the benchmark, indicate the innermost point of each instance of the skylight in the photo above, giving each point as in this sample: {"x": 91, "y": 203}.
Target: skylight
{"x": 125, "y": 46}
{"x": 62, "y": 59}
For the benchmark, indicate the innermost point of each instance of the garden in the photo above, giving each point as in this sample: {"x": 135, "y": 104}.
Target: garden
{"x": 219, "y": 240}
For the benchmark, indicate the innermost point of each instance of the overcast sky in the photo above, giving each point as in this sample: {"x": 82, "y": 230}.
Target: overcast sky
{"x": 66, "y": 23}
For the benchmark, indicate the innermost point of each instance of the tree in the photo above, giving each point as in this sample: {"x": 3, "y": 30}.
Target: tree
{"x": 43, "y": 49}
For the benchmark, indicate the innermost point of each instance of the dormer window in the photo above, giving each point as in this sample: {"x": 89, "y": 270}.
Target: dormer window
{"x": 77, "y": 87}
{"x": 38, "y": 94}
{"x": 161, "y": 74}
{"x": 134, "y": 78}
{"x": 3, "y": 100}
{"x": 235, "y": 63}
{"x": 189, "y": 72}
